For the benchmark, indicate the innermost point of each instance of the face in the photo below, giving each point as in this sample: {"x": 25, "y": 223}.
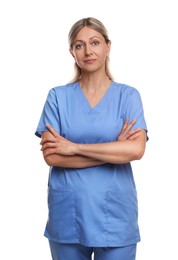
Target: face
{"x": 90, "y": 50}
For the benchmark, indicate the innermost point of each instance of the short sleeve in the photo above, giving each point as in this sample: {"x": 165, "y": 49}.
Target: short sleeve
{"x": 134, "y": 109}
{"x": 50, "y": 114}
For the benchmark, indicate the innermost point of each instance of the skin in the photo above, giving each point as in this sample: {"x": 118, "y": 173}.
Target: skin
{"x": 58, "y": 151}
{"x": 90, "y": 52}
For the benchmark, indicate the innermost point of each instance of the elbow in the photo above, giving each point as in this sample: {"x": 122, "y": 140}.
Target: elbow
{"x": 54, "y": 160}
{"x": 140, "y": 147}
{"x": 138, "y": 154}
{"x": 49, "y": 160}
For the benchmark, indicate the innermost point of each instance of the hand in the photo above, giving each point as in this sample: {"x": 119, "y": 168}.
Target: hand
{"x": 126, "y": 133}
{"x": 56, "y": 144}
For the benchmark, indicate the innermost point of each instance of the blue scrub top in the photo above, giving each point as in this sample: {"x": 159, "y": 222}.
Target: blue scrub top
{"x": 94, "y": 206}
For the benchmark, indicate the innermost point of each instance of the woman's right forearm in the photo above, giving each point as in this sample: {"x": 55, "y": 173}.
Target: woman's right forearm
{"x": 73, "y": 161}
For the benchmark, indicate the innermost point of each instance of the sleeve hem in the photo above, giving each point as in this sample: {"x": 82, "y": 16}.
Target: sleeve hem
{"x": 38, "y": 134}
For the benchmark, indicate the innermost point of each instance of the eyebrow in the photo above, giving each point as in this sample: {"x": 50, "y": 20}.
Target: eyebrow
{"x": 84, "y": 41}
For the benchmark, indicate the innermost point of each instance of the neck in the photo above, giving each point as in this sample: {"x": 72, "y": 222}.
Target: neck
{"x": 93, "y": 84}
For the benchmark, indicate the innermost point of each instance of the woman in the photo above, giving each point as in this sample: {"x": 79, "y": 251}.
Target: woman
{"x": 91, "y": 130}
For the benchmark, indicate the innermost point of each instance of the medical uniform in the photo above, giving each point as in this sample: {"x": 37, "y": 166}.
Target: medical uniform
{"x": 93, "y": 206}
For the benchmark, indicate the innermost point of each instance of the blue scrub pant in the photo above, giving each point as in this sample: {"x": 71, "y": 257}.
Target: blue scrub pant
{"x": 78, "y": 252}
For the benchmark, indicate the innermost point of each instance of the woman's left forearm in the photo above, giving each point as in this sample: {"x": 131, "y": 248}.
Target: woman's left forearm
{"x": 115, "y": 152}
{"x": 129, "y": 146}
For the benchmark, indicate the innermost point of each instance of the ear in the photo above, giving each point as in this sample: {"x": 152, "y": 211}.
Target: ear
{"x": 71, "y": 52}
{"x": 109, "y": 48}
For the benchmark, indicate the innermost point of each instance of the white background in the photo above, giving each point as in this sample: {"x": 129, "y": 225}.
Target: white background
{"x": 34, "y": 57}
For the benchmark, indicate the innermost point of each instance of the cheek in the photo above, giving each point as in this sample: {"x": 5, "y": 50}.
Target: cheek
{"x": 103, "y": 55}
{"x": 77, "y": 60}
{"x": 78, "y": 57}
{"x": 102, "y": 52}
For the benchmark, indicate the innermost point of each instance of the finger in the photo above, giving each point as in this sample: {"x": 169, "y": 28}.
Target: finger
{"x": 47, "y": 139}
{"x": 133, "y": 137}
{"x": 134, "y": 134}
{"x": 123, "y": 130}
{"x": 52, "y": 131}
{"x": 131, "y": 124}
{"x": 128, "y": 134}
{"x": 125, "y": 124}
{"x": 55, "y": 133}
{"x": 48, "y": 145}
{"x": 131, "y": 132}
{"x": 49, "y": 151}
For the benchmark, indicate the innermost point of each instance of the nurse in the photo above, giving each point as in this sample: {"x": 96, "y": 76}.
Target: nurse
{"x": 91, "y": 129}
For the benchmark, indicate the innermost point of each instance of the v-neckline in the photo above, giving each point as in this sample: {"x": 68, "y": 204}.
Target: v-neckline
{"x": 85, "y": 101}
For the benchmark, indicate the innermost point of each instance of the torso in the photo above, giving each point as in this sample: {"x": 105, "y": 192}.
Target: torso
{"x": 99, "y": 203}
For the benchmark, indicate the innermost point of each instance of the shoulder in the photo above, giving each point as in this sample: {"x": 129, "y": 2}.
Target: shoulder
{"x": 128, "y": 94}
{"x": 124, "y": 88}
{"x": 62, "y": 90}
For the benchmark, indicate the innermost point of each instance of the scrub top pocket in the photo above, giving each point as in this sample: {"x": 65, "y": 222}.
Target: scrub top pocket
{"x": 61, "y": 219}
{"x": 122, "y": 217}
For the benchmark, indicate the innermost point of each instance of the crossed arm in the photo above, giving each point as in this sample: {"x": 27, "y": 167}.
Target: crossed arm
{"x": 58, "y": 151}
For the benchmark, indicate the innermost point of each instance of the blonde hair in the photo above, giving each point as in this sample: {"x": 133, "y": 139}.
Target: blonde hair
{"x": 95, "y": 25}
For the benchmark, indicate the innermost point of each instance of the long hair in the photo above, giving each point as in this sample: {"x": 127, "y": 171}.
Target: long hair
{"x": 96, "y": 25}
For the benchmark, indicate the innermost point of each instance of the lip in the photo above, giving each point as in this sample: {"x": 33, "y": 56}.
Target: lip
{"x": 90, "y": 61}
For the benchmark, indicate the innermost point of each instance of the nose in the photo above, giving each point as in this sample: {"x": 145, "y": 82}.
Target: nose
{"x": 88, "y": 49}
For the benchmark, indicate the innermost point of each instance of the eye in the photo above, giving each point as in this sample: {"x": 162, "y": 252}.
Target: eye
{"x": 95, "y": 43}
{"x": 79, "y": 46}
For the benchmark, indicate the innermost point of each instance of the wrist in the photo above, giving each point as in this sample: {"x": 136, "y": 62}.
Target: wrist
{"x": 76, "y": 148}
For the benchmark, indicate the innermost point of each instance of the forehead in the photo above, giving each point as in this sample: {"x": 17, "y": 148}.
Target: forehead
{"x": 87, "y": 33}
